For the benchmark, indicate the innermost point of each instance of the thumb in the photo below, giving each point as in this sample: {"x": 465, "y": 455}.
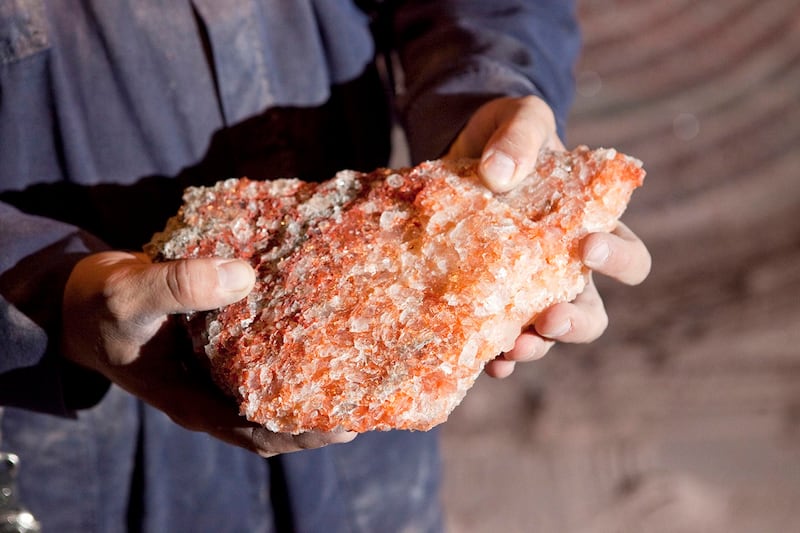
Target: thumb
{"x": 524, "y": 127}
{"x": 188, "y": 285}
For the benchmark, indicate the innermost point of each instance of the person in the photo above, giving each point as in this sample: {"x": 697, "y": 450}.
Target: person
{"x": 108, "y": 110}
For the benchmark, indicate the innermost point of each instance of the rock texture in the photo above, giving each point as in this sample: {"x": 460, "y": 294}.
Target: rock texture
{"x": 381, "y": 295}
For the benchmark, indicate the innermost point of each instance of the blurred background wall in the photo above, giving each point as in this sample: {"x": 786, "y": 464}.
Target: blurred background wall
{"x": 685, "y": 416}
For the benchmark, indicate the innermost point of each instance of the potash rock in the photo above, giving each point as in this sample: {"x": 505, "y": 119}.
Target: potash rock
{"x": 381, "y": 296}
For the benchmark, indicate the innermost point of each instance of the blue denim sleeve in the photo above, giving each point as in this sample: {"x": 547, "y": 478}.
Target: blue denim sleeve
{"x": 458, "y": 54}
{"x": 37, "y": 257}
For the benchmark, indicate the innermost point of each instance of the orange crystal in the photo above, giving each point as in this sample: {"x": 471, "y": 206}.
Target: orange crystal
{"x": 381, "y": 296}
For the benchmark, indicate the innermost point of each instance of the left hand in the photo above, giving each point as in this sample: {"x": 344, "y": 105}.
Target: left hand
{"x": 117, "y": 320}
{"x": 507, "y": 134}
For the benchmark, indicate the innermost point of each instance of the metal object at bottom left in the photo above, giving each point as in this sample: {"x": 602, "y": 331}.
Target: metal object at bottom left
{"x": 14, "y": 518}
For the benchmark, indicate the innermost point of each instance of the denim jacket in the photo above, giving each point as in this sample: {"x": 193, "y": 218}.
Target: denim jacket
{"x": 109, "y": 108}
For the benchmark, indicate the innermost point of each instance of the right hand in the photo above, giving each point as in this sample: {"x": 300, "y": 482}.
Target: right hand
{"x": 116, "y": 321}
{"x": 508, "y": 134}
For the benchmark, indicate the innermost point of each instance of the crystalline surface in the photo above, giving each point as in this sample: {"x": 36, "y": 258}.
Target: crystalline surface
{"x": 381, "y": 296}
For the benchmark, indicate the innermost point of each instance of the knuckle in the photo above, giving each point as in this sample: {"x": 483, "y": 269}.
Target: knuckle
{"x": 118, "y": 295}
{"x": 647, "y": 265}
{"x": 600, "y": 324}
{"x": 179, "y": 282}
{"x": 539, "y": 108}
{"x": 310, "y": 440}
{"x": 592, "y": 323}
{"x": 342, "y": 437}
{"x": 268, "y": 443}
{"x": 542, "y": 350}
{"x": 603, "y": 322}
{"x": 635, "y": 264}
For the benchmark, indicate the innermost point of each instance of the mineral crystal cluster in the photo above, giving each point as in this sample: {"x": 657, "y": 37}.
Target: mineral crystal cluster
{"x": 382, "y": 295}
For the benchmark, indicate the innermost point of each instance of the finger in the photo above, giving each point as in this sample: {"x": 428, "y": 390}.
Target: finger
{"x": 620, "y": 255}
{"x": 195, "y": 404}
{"x": 268, "y": 443}
{"x": 511, "y": 152}
{"x": 317, "y": 439}
{"x": 473, "y": 139}
{"x": 499, "y": 368}
{"x": 190, "y": 399}
{"x": 580, "y": 321}
{"x": 529, "y": 346}
{"x": 265, "y": 443}
{"x": 193, "y": 285}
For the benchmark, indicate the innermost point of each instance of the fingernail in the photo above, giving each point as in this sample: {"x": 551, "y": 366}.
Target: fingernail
{"x": 498, "y": 168}
{"x": 597, "y": 255}
{"x": 562, "y": 329}
{"x": 234, "y": 276}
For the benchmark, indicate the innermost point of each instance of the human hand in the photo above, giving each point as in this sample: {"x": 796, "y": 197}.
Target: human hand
{"x": 116, "y": 321}
{"x": 507, "y": 134}
{"x": 620, "y": 255}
